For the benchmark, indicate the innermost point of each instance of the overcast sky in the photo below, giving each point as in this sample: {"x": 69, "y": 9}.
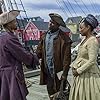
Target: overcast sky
{"x": 66, "y": 8}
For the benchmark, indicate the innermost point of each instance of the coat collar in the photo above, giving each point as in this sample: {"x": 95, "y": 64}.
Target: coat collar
{"x": 60, "y": 33}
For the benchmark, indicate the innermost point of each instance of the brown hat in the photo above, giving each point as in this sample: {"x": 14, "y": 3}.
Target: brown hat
{"x": 57, "y": 18}
{"x": 7, "y": 17}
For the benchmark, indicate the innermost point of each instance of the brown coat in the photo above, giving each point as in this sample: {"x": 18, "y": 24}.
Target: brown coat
{"x": 62, "y": 55}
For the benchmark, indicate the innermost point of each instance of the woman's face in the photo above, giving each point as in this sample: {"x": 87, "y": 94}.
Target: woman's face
{"x": 83, "y": 29}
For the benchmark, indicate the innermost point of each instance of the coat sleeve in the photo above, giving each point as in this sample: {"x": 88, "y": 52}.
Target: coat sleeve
{"x": 92, "y": 49}
{"x": 18, "y": 52}
{"x": 67, "y": 57}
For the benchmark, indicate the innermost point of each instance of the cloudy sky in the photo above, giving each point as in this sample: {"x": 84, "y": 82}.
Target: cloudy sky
{"x": 66, "y": 8}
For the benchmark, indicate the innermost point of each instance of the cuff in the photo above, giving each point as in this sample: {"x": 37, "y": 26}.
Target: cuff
{"x": 79, "y": 71}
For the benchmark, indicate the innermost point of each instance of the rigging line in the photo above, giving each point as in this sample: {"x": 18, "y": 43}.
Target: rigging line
{"x": 4, "y": 5}
{"x": 97, "y": 10}
{"x": 24, "y": 10}
{"x": 67, "y": 8}
{"x": 80, "y": 7}
{"x": 72, "y": 7}
{"x": 85, "y": 6}
{"x": 7, "y": 2}
{"x": 12, "y": 9}
{"x": 61, "y": 8}
{"x": 19, "y": 14}
{"x": 93, "y": 7}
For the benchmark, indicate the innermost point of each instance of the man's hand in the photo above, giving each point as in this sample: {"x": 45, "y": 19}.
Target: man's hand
{"x": 63, "y": 80}
{"x": 74, "y": 71}
{"x": 63, "y": 77}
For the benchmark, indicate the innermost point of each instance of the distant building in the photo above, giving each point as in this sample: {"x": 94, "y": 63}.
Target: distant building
{"x": 38, "y": 19}
{"x": 35, "y": 19}
{"x": 73, "y": 24}
{"x": 29, "y": 30}
{"x": 34, "y": 30}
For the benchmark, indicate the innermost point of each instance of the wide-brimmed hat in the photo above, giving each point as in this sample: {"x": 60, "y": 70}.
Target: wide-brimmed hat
{"x": 57, "y": 18}
{"x": 7, "y": 17}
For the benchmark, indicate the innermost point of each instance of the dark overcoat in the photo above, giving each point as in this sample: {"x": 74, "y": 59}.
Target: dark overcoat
{"x": 12, "y": 54}
{"x": 62, "y": 55}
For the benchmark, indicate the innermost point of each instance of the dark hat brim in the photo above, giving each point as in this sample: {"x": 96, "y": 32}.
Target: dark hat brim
{"x": 57, "y": 18}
